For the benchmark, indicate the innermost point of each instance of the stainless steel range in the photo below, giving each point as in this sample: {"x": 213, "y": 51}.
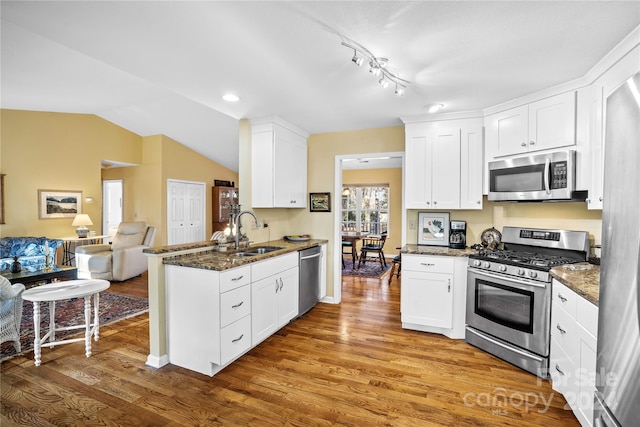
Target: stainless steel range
{"x": 509, "y": 293}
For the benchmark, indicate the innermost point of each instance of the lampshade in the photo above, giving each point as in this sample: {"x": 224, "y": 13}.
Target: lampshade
{"x": 81, "y": 221}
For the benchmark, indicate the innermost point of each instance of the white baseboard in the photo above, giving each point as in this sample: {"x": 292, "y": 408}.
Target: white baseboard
{"x": 157, "y": 362}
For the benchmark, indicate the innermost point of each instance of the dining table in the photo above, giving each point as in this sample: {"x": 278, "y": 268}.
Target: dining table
{"x": 353, "y": 237}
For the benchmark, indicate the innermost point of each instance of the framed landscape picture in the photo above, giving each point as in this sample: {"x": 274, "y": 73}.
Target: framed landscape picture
{"x": 320, "y": 202}
{"x": 433, "y": 228}
{"x": 59, "y": 204}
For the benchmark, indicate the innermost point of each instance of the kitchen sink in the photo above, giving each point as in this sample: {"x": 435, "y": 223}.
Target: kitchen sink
{"x": 263, "y": 249}
{"x": 244, "y": 254}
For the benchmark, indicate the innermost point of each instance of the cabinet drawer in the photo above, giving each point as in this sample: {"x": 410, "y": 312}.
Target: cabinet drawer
{"x": 234, "y": 278}
{"x": 562, "y": 371}
{"x": 235, "y": 339}
{"x": 564, "y": 330}
{"x": 428, "y": 264}
{"x": 272, "y": 266}
{"x": 564, "y": 297}
{"x": 235, "y": 305}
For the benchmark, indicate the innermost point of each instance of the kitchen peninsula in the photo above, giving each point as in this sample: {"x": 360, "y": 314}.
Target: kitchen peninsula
{"x": 208, "y": 307}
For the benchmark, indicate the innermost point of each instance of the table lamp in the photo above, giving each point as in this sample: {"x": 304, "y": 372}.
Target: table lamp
{"x": 81, "y": 221}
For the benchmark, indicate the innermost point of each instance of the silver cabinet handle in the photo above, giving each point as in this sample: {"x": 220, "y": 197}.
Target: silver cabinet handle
{"x": 277, "y": 285}
{"x": 449, "y": 285}
{"x": 428, "y": 203}
{"x": 238, "y": 339}
{"x": 235, "y": 279}
{"x": 281, "y": 284}
{"x": 562, "y": 331}
{"x": 600, "y": 198}
{"x": 478, "y": 201}
{"x": 563, "y": 299}
{"x": 435, "y": 202}
{"x": 238, "y": 304}
{"x": 558, "y": 369}
{"x": 532, "y": 143}
{"x": 524, "y": 144}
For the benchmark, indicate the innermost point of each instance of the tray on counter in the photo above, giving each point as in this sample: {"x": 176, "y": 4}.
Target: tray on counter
{"x": 298, "y": 238}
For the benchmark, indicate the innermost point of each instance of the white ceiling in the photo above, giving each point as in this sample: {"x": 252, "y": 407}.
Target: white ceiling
{"x": 162, "y": 67}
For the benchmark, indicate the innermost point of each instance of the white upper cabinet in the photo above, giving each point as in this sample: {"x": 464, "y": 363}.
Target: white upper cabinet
{"x": 443, "y": 166}
{"x": 278, "y": 165}
{"x": 541, "y": 125}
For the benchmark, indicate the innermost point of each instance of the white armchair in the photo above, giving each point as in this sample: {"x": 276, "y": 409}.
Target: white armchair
{"x": 10, "y": 311}
{"x": 122, "y": 259}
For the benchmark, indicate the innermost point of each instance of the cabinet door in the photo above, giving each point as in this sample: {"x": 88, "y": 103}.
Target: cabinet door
{"x": 417, "y": 173}
{"x": 507, "y": 132}
{"x": 264, "y": 308}
{"x": 288, "y": 296}
{"x": 290, "y": 170}
{"x": 262, "y": 172}
{"x": 471, "y": 161}
{"x": 445, "y": 170}
{"x": 552, "y": 122}
{"x": 427, "y": 299}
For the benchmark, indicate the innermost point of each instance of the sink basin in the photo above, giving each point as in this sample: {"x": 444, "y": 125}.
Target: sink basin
{"x": 263, "y": 249}
{"x": 244, "y": 254}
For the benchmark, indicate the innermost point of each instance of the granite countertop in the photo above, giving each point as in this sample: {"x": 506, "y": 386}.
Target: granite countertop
{"x": 582, "y": 278}
{"x": 436, "y": 250}
{"x": 216, "y": 260}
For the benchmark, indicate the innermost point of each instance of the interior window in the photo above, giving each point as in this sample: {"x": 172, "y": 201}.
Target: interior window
{"x": 365, "y": 208}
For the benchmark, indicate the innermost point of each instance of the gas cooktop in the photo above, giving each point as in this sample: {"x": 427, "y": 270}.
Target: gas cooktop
{"x": 535, "y": 260}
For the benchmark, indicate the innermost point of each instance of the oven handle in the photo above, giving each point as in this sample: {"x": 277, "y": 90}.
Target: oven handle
{"x": 508, "y": 279}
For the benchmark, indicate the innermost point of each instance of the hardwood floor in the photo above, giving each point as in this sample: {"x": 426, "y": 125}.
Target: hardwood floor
{"x": 350, "y": 364}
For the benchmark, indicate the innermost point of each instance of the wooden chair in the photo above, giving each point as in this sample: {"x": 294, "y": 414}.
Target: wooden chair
{"x": 348, "y": 246}
{"x": 397, "y": 265}
{"x": 373, "y": 245}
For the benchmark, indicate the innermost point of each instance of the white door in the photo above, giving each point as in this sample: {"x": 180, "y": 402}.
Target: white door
{"x": 111, "y": 206}
{"x": 185, "y": 212}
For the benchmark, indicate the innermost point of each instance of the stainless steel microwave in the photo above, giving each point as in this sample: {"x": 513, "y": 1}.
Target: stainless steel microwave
{"x": 536, "y": 177}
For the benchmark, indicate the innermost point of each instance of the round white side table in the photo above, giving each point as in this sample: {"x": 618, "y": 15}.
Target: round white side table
{"x": 53, "y": 292}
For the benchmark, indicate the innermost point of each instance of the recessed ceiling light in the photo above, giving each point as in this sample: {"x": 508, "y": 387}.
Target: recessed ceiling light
{"x": 231, "y": 97}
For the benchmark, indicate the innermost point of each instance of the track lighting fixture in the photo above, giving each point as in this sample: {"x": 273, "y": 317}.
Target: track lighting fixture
{"x": 378, "y": 66}
{"x": 358, "y": 60}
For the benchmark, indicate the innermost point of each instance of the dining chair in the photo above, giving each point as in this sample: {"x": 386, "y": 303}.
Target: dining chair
{"x": 373, "y": 245}
{"x": 348, "y": 246}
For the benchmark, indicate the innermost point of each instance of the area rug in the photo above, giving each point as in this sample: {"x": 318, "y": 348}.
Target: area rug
{"x": 370, "y": 269}
{"x": 113, "y": 307}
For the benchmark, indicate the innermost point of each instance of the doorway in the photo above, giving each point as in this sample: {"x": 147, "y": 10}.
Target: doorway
{"x": 111, "y": 206}
{"x": 365, "y": 161}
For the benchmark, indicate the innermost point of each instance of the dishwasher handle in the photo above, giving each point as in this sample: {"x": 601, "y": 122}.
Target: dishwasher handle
{"x": 319, "y": 254}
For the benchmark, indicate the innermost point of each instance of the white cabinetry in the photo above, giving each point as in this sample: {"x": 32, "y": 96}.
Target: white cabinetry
{"x": 278, "y": 165}
{"x": 541, "y": 125}
{"x": 433, "y": 294}
{"x": 443, "y": 167}
{"x": 574, "y": 328}
{"x": 208, "y": 317}
{"x": 274, "y": 293}
{"x": 600, "y": 90}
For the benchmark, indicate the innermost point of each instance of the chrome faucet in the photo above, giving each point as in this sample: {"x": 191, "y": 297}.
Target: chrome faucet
{"x": 239, "y": 225}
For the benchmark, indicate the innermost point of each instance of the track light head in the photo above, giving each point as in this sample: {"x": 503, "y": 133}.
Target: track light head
{"x": 358, "y": 60}
{"x": 383, "y": 82}
{"x": 399, "y": 90}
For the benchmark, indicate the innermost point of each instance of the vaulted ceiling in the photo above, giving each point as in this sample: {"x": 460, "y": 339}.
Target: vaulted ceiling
{"x": 162, "y": 67}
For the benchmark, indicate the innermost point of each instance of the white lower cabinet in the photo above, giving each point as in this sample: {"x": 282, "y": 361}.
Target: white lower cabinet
{"x": 433, "y": 294}
{"x": 274, "y": 293}
{"x": 215, "y": 317}
{"x": 574, "y": 324}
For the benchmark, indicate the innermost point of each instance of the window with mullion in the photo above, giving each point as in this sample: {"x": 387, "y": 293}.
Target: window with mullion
{"x": 365, "y": 209}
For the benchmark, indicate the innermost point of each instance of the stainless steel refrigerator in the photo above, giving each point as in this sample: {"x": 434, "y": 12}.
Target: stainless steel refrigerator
{"x": 617, "y": 401}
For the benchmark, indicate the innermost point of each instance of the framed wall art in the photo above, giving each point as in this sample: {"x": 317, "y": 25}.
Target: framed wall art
{"x": 433, "y": 228}
{"x": 320, "y": 202}
{"x": 59, "y": 204}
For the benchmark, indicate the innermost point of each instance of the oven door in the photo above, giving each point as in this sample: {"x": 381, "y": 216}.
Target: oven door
{"x": 517, "y": 311}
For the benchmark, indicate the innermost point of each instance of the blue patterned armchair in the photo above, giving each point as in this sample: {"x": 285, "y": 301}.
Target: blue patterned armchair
{"x": 31, "y": 251}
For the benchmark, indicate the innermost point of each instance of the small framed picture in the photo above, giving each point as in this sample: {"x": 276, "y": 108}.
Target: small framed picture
{"x": 320, "y": 202}
{"x": 59, "y": 203}
{"x": 433, "y": 228}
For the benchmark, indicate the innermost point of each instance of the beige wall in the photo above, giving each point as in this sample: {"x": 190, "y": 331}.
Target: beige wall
{"x": 393, "y": 177}
{"x": 69, "y": 148}
{"x": 56, "y": 151}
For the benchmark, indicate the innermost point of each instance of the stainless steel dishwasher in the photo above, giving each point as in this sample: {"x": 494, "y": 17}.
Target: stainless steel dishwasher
{"x": 309, "y": 275}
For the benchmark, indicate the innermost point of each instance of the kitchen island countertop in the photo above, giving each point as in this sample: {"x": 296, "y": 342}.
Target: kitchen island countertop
{"x": 217, "y": 260}
{"x": 582, "y": 278}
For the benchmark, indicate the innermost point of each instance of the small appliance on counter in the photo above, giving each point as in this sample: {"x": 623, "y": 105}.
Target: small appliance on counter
{"x": 458, "y": 235}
